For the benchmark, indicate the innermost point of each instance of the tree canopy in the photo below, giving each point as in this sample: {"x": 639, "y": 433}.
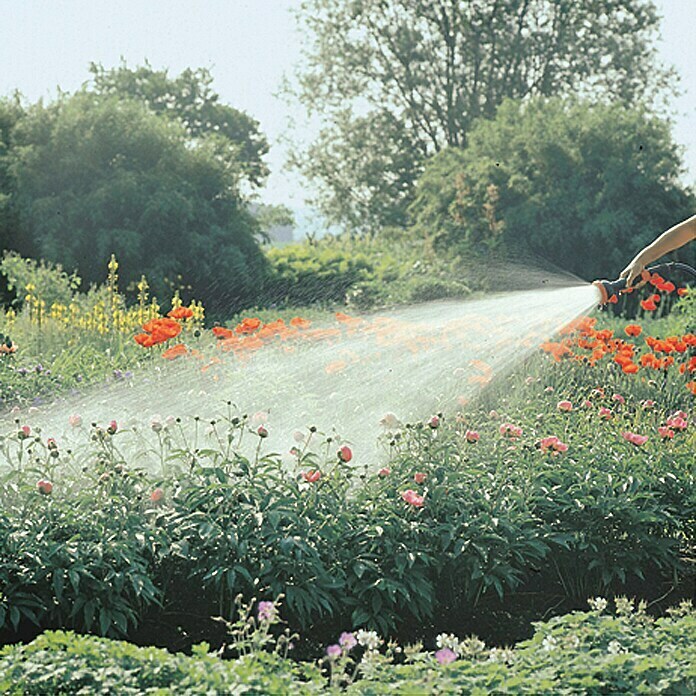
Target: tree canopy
{"x": 583, "y": 186}
{"x": 398, "y": 81}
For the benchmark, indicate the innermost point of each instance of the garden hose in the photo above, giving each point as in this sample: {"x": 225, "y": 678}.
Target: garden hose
{"x": 609, "y": 290}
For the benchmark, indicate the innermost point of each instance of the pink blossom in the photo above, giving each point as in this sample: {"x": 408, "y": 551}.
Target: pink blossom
{"x": 472, "y": 436}
{"x": 665, "y": 432}
{"x": 510, "y": 430}
{"x": 345, "y": 454}
{"x": 444, "y": 656}
{"x": 267, "y": 611}
{"x": 618, "y": 398}
{"x": 156, "y": 495}
{"x": 45, "y": 487}
{"x": 113, "y": 427}
{"x": 419, "y": 477}
{"x": 347, "y": 640}
{"x": 552, "y": 444}
{"x": 678, "y": 421}
{"x": 434, "y": 422}
{"x": 333, "y": 652}
{"x": 549, "y": 390}
{"x": 312, "y": 476}
{"x": 648, "y": 404}
{"x": 605, "y": 413}
{"x": 587, "y": 404}
{"x": 261, "y": 431}
{"x": 24, "y": 432}
{"x": 634, "y": 438}
{"x": 75, "y": 420}
{"x": 384, "y": 472}
{"x": 564, "y": 406}
{"x": 412, "y": 498}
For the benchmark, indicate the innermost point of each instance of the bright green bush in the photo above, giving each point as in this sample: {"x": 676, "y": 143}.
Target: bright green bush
{"x": 590, "y": 652}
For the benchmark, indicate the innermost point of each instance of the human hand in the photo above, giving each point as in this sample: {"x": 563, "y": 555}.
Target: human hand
{"x": 632, "y": 271}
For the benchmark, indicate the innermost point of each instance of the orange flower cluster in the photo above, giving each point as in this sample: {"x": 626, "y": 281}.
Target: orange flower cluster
{"x": 585, "y": 344}
{"x": 157, "y": 331}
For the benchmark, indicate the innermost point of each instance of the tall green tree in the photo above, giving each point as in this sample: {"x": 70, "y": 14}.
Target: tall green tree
{"x": 396, "y": 81}
{"x": 191, "y": 99}
{"x": 97, "y": 175}
{"x": 583, "y": 186}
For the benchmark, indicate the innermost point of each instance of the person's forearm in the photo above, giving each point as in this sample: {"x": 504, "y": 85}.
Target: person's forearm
{"x": 670, "y": 240}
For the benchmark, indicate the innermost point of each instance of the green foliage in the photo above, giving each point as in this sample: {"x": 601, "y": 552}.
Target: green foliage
{"x": 501, "y": 520}
{"x": 190, "y": 100}
{"x": 103, "y": 175}
{"x": 588, "y": 652}
{"x": 396, "y": 82}
{"x": 581, "y": 186}
{"x": 364, "y": 273}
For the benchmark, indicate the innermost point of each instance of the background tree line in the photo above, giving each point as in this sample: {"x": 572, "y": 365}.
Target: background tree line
{"x": 475, "y": 126}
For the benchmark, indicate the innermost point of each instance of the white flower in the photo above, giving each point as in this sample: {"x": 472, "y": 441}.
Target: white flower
{"x": 259, "y": 418}
{"x": 368, "y": 639}
{"x": 472, "y": 646}
{"x": 572, "y": 641}
{"x": 615, "y": 648}
{"x": 623, "y": 605}
{"x": 448, "y": 640}
{"x": 549, "y": 643}
{"x": 598, "y": 604}
{"x": 501, "y": 655}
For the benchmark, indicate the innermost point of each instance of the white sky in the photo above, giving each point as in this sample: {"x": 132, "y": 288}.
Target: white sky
{"x": 248, "y": 45}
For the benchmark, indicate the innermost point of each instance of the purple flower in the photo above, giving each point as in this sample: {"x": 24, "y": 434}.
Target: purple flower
{"x": 267, "y": 611}
{"x": 444, "y": 656}
{"x": 333, "y": 652}
{"x": 347, "y": 641}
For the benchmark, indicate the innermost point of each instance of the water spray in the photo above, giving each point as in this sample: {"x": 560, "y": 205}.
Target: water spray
{"x": 609, "y": 289}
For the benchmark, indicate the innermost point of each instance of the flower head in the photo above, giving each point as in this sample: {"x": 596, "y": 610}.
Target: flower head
{"x": 605, "y": 413}
{"x": 444, "y": 656}
{"x": 564, "y": 405}
{"x": 419, "y": 477}
{"x": 412, "y": 498}
{"x": 347, "y": 640}
{"x": 156, "y": 495}
{"x": 665, "y": 432}
{"x": 345, "y": 454}
{"x": 333, "y": 652}
{"x": 552, "y": 444}
{"x": 312, "y": 476}
{"x": 45, "y": 487}
{"x": 510, "y": 430}
{"x": 434, "y": 422}
{"x": 634, "y": 438}
{"x": 384, "y": 471}
{"x": 368, "y": 639}
{"x": 75, "y": 420}
{"x": 472, "y": 436}
{"x": 267, "y": 612}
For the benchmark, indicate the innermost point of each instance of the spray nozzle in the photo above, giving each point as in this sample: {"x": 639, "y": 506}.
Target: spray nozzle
{"x": 609, "y": 290}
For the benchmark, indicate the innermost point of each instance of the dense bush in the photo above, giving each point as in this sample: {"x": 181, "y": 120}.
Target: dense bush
{"x": 501, "y": 519}
{"x": 594, "y": 652}
{"x": 582, "y": 186}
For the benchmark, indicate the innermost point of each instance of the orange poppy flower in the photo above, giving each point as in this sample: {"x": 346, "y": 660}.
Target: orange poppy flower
{"x": 300, "y": 323}
{"x": 691, "y": 386}
{"x": 181, "y": 313}
{"x": 630, "y": 368}
{"x": 175, "y": 352}
{"x": 222, "y": 332}
{"x": 648, "y": 305}
{"x": 248, "y": 325}
{"x": 145, "y": 340}
{"x": 682, "y": 292}
{"x": 633, "y": 330}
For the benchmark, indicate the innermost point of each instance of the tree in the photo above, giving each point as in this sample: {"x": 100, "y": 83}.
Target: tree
{"x": 583, "y": 186}
{"x": 399, "y": 80}
{"x": 190, "y": 99}
{"x": 97, "y": 175}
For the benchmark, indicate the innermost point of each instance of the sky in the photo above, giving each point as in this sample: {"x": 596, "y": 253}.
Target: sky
{"x": 249, "y": 45}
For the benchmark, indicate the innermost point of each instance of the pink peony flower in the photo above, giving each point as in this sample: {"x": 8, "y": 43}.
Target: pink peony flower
{"x": 510, "y": 430}
{"x": 605, "y": 413}
{"x": 648, "y": 404}
{"x": 678, "y": 421}
{"x": 635, "y": 439}
{"x": 472, "y": 436}
{"x": 345, "y": 454}
{"x": 444, "y": 656}
{"x": 552, "y": 444}
{"x": 434, "y": 422}
{"x": 412, "y": 498}
{"x": 45, "y": 487}
{"x": 587, "y": 404}
{"x": 156, "y": 495}
{"x": 618, "y": 398}
{"x": 384, "y": 472}
{"x": 24, "y": 432}
{"x": 312, "y": 476}
{"x": 113, "y": 427}
{"x": 419, "y": 477}
{"x": 665, "y": 432}
{"x": 261, "y": 431}
{"x": 564, "y": 406}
